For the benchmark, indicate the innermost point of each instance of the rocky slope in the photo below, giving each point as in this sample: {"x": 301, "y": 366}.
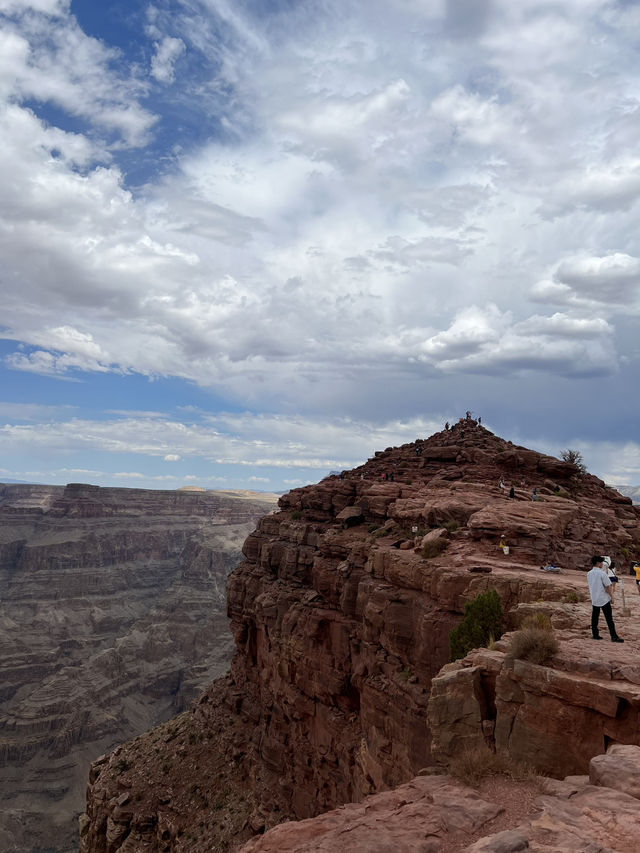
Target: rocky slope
{"x": 112, "y": 620}
{"x": 341, "y": 614}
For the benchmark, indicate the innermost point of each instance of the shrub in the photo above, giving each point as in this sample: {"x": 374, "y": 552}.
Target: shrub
{"x": 574, "y": 457}
{"x": 537, "y": 620}
{"x": 573, "y": 597}
{"x": 433, "y": 548}
{"x": 482, "y": 623}
{"x": 473, "y": 765}
{"x": 451, "y": 526}
{"x": 476, "y": 763}
{"x": 534, "y": 642}
{"x": 296, "y": 514}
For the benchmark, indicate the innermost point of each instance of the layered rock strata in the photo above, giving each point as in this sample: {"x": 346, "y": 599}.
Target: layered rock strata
{"x": 341, "y": 614}
{"x": 113, "y": 619}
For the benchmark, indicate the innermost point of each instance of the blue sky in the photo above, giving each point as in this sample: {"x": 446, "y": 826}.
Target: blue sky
{"x": 245, "y": 243}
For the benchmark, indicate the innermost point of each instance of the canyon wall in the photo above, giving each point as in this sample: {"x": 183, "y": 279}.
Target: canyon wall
{"x": 341, "y": 615}
{"x": 112, "y": 620}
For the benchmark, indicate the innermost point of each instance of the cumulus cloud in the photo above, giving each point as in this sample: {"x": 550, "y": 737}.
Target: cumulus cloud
{"x": 486, "y": 340}
{"x": 376, "y": 199}
{"x": 611, "y": 281}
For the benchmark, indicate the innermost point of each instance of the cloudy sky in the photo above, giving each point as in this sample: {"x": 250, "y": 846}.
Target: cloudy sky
{"x": 245, "y": 242}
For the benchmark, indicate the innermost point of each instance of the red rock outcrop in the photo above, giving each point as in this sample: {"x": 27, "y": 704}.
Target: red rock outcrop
{"x": 341, "y": 614}
{"x": 599, "y": 812}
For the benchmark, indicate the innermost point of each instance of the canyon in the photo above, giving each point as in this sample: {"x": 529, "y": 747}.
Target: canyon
{"x": 112, "y": 620}
{"x": 341, "y": 690}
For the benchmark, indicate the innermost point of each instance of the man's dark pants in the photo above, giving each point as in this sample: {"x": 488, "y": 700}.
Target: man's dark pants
{"x": 595, "y": 615}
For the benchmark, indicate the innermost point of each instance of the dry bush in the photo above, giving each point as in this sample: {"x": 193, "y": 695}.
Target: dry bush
{"x": 433, "y": 548}
{"x": 534, "y": 642}
{"x": 476, "y": 763}
{"x": 537, "y": 620}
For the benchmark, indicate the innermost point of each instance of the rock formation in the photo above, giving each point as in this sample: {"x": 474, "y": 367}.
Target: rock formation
{"x": 341, "y": 615}
{"x": 581, "y": 814}
{"x": 112, "y": 620}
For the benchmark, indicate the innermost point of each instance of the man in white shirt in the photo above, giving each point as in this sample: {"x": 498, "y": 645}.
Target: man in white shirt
{"x": 598, "y": 581}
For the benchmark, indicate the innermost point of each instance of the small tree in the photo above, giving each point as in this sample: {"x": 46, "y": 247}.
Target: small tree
{"x": 574, "y": 457}
{"x": 482, "y": 623}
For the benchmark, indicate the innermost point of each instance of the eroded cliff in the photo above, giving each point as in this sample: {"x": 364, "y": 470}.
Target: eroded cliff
{"x": 341, "y": 614}
{"x": 113, "y": 620}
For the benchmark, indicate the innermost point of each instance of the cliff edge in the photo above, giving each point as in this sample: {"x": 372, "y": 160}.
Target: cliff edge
{"x": 341, "y": 614}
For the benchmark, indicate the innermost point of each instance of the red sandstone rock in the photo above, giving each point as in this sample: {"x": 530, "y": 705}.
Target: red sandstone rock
{"x": 339, "y": 634}
{"x": 418, "y": 817}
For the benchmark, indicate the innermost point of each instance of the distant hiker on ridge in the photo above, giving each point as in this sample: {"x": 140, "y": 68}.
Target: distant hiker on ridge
{"x": 598, "y": 581}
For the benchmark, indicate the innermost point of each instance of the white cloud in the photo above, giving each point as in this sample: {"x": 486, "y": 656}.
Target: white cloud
{"x": 486, "y": 340}
{"x": 611, "y": 281}
{"x": 373, "y": 200}
{"x": 168, "y": 51}
{"x": 225, "y": 439}
{"x": 172, "y": 457}
{"x": 52, "y": 60}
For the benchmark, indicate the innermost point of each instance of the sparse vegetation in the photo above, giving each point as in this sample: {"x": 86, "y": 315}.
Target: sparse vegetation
{"x": 482, "y": 623}
{"x": 122, "y": 765}
{"x": 573, "y": 597}
{"x": 406, "y": 673}
{"x": 451, "y": 526}
{"x": 433, "y": 548}
{"x": 296, "y": 514}
{"x": 534, "y": 642}
{"x": 574, "y": 457}
{"x": 473, "y": 765}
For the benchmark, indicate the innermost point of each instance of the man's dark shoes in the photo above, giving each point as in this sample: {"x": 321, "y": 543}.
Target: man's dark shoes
{"x": 598, "y": 637}
{"x": 617, "y": 640}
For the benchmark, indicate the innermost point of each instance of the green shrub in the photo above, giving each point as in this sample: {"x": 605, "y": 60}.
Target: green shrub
{"x": 482, "y": 623}
{"x": 573, "y": 597}
{"x": 433, "y": 548}
{"x": 296, "y": 514}
{"x": 451, "y": 526}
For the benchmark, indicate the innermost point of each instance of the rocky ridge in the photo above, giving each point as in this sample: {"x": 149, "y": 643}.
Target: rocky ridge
{"x": 113, "y": 620}
{"x": 341, "y": 614}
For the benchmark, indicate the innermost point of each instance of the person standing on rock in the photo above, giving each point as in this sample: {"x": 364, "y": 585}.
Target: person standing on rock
{"x": 598, "y": 581}
{"x": 610, "y": 568}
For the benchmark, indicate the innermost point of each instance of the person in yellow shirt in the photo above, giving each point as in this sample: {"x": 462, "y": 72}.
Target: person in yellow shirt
{"x": 636, "y": 569}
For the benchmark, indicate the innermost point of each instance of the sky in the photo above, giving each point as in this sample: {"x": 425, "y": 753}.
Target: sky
{"x": 247, "y": 242}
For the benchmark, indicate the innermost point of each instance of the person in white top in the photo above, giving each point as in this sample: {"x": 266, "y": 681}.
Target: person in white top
{"x": 598, "y": 581}
{"x": 610, "y": 568}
